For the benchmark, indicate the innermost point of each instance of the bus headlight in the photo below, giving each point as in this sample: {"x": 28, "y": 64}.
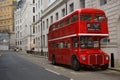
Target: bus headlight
{"x": 83, "y": 58}
{"x": 107, "y": 58}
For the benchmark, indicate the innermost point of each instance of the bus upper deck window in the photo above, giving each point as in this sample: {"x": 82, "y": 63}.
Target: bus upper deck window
{"x": 99, "y": 17}
{"x": 74, "y": 18}
{"x": 67, "y": 21}
{"x": 85, "y": 17}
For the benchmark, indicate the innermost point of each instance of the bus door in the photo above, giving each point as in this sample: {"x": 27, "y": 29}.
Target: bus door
{"x": 60, "y": 52}
{"x": 67, "y": 52}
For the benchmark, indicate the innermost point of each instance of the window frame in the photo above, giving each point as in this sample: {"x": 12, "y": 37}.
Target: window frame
{"x": 74, "y": 18}
{"x": 83, "y": 16}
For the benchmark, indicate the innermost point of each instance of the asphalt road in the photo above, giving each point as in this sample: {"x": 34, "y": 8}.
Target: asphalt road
{"x": 13, "y": 67}
{"x": 21, "y": 66}
{"x": 87, "y": 74}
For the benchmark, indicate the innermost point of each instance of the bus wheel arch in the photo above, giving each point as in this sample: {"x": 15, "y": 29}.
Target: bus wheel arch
{"x": 53, "y": 59}
{"x": 75, "y": 63}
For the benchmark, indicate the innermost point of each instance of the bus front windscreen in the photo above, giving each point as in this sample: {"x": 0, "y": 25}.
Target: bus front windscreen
{"x": 89, "y": 42}
{"x": 85, "y": 17}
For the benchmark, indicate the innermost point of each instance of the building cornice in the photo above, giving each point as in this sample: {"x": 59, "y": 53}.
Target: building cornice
{"x": 52, "y": 7}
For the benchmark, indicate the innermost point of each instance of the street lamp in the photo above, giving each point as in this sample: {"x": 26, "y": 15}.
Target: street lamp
{"x": 41, "y": 38}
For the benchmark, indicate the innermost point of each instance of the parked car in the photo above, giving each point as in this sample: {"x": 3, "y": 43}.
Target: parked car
{"x": 16, "y": 49}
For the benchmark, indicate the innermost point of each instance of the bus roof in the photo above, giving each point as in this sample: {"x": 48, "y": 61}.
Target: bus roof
{"x": 81, "y": 10}
{"x": 91, "y": 10}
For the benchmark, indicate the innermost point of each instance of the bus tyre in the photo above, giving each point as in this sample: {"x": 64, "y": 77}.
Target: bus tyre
{"x": 75, "y": 64}
{"x": 53, "y": 60}
{"x": 104, "y": 67}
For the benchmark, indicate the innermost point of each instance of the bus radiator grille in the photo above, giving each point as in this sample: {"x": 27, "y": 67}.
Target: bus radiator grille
{"x": 95, "y": 59}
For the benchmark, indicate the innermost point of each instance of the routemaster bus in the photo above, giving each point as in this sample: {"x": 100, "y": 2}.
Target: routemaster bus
{"x": 75, "y": 39}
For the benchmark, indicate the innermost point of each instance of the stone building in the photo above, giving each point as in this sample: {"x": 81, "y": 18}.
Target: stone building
{"x": 23, "y": 19}
{"x": 55, "y": 10}
{"x": 46, "y": 12}
{"x": 7, "y": 8}
{"x": 112, "y": 9}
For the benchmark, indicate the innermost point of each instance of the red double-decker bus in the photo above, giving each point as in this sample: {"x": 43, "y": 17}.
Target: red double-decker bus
{"x": 75, "y": 39}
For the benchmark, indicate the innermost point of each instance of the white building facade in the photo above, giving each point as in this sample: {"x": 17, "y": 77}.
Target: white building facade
{"x": 112, "y": 9}
{"x": 46, "y": 12}
{"x": 23, "y": 25}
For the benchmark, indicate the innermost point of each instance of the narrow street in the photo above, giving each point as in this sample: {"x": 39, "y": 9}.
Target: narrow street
{"x": 20, "y": 66}
{"x": 13, "y": 67}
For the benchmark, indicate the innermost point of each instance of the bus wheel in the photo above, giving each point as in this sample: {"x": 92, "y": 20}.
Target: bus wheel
{"x": 104, "y": 67}
{"x": 75, "y": 64}
{"x": 53, "y": 60}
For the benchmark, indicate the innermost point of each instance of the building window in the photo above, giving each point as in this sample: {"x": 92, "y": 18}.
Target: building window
{"x": 105, "y": 40}
{"x": 20, "y": 42}
{"x": 33, "y": 41}
{"x": 33, "y": 29}
{"x": 63, "y": 12}
{"x": 82, "y": 5}
{"x": 56, "y": 16}
{"x": 51, "y": 18}
{"x": 47, "y": 23}
{"x": 43, "y": 25}
{"x": 33, "y": 1}
{"x": 102, "y": 2}
{"x": 71, "y": 7}
{"x": 33, "y": 9}
{"x": 33, "y": 18}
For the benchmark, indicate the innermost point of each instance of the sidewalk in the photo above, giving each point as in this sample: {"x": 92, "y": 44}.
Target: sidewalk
{"x": 37, "y": 55}
{"x": 115, "y": 69}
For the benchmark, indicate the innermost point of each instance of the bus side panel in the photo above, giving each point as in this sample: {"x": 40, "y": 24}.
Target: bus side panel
{"x": 49, "y": 51}
{"x": 53, "y": 52}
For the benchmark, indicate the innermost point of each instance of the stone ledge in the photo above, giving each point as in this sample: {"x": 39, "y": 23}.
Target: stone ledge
{"x": 115, "y": 69}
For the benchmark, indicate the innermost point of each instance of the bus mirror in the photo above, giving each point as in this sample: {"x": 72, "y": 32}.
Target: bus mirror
{"x": 107, "y": 18}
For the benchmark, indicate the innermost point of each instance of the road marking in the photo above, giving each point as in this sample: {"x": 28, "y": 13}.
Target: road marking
{"x": 71, "y": 79}
{"x": 52, "y": 71}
